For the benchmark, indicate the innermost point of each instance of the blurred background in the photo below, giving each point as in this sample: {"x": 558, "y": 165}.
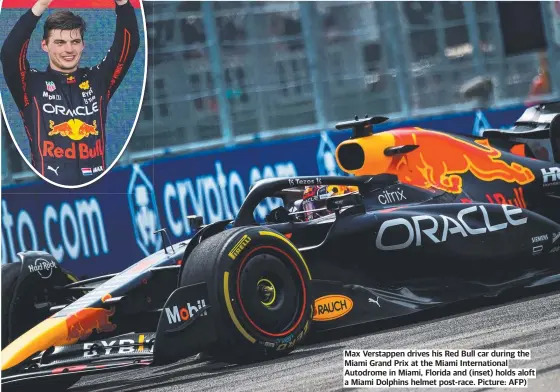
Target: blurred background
{"x": 226, "y": 73}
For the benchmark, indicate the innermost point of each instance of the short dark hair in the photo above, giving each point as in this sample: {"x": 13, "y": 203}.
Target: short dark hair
{"x": 64, "y": 20}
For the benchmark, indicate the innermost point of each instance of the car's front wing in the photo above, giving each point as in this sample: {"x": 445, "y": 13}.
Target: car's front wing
{"x": 116, "y": 353}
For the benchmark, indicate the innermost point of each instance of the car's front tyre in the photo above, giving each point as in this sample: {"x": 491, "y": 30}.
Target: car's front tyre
{"x": 259, "y": 283}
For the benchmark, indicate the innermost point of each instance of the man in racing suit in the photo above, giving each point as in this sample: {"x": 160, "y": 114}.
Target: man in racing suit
{"x": 64, "y": 108}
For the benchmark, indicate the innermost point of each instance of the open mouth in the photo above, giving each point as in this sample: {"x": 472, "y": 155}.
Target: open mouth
{"x": 68, "y": 58}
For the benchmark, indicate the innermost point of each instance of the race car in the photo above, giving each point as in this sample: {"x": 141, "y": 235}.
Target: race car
{"x": 424, "y": 219}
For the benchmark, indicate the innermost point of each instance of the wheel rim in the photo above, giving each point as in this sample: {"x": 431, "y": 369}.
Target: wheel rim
{"x": 271, "y": 291}
{"x": 267, "y": 291}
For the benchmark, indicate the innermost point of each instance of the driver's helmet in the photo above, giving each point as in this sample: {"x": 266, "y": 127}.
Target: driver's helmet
{"x": 315, "y": 198}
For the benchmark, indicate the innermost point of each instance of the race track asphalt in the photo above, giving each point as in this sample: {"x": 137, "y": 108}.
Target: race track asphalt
{"x": 530, "y": 323}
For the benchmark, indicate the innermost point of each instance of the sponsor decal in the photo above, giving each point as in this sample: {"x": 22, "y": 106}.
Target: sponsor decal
{"x": 70, "y": 80}
{"x": 517, "y": 200}
{"x": 88, "y": 96}
{"x": 331, "y": 307}
{"x": 238, "y": 248}
{"x": 52, "y": 97}
{"x": 120, "y": 346}
{"x": 451, "y": 226}
{"x": 540, "y": 238}
{"x": 50, "y": 86}
{"x": 83, "y": 150}
{"x": 555, "y": 237}
{"x": 77, "y": 111}
{"x": 537, "y": 250}
{"x": 84, "y": 85}
{"x": 43, "y": 267}
{"x": 375, "y": 301}
{"x": 305, "y": 181}
{"x": 82, "y": 323}
{"x": 178, "y": 315}
{"x": 555, "y": 249}
{"x": 391, "y": 197}
{"x": 75, "y": 129}
{"x": 432, "y": 166}
{"x": 53, "y": 169}
{"x": 286, "y": 339}
{"x": 86, "y": 171}
{"x": 98, "y": 169}
{"x": 551, "y": 176}
{"x": 283, "y": 346}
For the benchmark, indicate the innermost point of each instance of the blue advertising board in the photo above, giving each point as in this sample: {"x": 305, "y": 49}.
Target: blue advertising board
{"x": 110, "y": 225}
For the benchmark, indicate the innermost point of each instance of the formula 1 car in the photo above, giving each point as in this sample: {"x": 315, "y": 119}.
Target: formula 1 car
{"x": 436, "y": 218}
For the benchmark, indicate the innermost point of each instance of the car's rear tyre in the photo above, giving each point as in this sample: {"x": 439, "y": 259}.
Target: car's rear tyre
{"x": 258, "y": 284}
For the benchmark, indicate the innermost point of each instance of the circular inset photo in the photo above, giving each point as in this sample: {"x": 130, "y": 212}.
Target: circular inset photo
{"x": 73, "y": 77}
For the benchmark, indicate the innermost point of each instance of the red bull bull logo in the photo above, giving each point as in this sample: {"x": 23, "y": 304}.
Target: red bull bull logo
{"x": 82, "y": 323}
{"x": 63, "y": 129}
{"x": 437, "y": 161}
{"x": 85, "y": 129}
{"x": 75, "y": 129}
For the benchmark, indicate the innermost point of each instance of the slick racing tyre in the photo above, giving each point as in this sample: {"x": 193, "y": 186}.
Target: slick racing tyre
{"x": 258, "y": 284}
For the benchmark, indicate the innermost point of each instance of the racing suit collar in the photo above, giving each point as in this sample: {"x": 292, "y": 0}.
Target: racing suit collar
{"x": 69, "y": 77}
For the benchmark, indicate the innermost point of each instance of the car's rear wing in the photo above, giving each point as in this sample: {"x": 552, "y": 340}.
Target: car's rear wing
{"x": 538, "y": 128}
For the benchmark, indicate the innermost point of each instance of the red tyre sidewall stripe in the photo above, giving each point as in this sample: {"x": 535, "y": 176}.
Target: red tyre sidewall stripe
{"x": 303, "y": 308}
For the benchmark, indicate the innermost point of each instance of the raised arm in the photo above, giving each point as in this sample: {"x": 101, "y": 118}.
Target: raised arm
{"x": 125, "y": 45}
{"x": 14, "y": 52}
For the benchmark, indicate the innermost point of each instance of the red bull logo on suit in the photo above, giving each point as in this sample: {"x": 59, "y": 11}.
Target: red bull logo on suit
{"x": 83, "y": 151}
{"x": 75, "y": 129}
